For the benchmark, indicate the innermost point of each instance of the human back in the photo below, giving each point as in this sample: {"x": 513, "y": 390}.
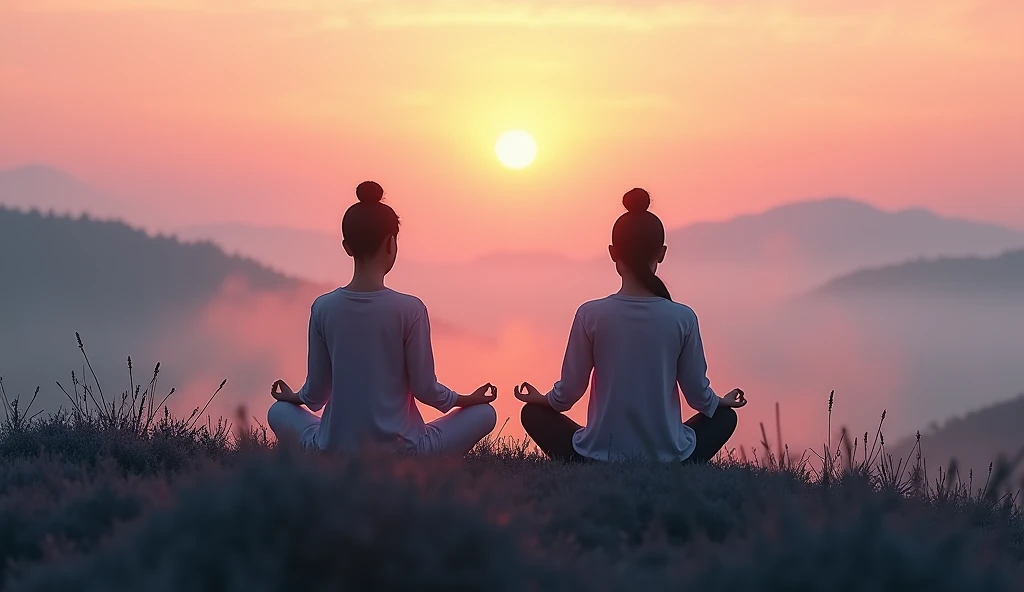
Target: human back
{"x": 638, "y": 343}
{"x": 365, "y": 334}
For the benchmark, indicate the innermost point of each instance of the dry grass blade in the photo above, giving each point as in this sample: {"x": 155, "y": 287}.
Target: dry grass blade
{"x": 498, "y": 435}
{"x": 70, "y": 398}
{"x": 7, "y": 403}
{"x": 81, "y": 348}
{"x": 769, "y": 457}
{"x": 878, "y": 434}
{"x": 33, "y": 400}
{"x": 152, "y": 394}
{"x": 778, "y": 436}
{"x": 831, "y": 400}
{"x": 214, "y": 395}
{"x": 167, "y": 396}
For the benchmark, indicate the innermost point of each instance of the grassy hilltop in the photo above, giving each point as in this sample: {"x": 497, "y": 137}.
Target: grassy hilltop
{"x": 133, "y": 499}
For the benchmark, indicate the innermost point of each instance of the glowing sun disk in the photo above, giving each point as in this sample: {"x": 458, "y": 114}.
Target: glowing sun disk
{"x": 516, "y": 149}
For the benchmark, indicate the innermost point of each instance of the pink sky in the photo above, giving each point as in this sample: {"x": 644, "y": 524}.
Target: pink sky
{"x": 270, "y": 111}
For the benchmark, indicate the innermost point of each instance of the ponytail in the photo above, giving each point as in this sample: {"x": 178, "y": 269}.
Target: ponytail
{"x": 638, "y": 236}
{"x": 649, "y": 279}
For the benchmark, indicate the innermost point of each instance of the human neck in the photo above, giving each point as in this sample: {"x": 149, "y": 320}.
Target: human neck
{"x": 632, "y": 287}
{"x": 366, "y": 279}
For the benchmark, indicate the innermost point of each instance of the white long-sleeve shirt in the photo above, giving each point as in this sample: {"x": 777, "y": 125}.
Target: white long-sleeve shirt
{"x": 369, "y": 358}
{"x": 636, "y": 354}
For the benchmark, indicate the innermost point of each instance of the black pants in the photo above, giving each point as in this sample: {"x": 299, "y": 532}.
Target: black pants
{"x": 553, "y": 431}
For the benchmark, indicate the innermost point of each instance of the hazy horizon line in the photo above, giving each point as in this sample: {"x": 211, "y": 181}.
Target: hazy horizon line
{"x": 825, "y": 197}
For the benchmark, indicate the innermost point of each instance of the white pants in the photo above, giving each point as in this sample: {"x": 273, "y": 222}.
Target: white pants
{"x": 453, "y": 434}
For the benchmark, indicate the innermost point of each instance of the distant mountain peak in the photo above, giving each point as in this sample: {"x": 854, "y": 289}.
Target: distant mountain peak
{"x": 37, "y": 169}
{"x": 825, "y": 208}
{"x": 39, "y": 176}
{"x": 829, "y": 202}
{"x": 44, "y": 187}
{"x": 836, "y": 235}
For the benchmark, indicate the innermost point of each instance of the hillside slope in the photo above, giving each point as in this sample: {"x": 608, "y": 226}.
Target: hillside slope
{"x": 974, "y": 439}
{"x": 81, "y": 266}
{"x": 309, "y": 254}
{"x": 1000, "y": 276}
{"x": 204, "y": 314}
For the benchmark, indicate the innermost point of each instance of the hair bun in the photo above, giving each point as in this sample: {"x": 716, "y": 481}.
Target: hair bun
{"x": 636, "y": 200}
{"x": 369, "y": 191}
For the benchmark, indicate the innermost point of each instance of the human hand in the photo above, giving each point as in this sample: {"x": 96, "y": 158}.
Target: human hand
{"x": 282, "y": 392}
{"x": 527, "y": 393}
{"x": 487, "y": 393}
{"x": 735, "y": 399}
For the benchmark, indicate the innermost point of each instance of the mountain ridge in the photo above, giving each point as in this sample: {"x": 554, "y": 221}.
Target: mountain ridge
{"x": 63, "y": 251}
{"x": 809, "y": 242}
{"x": 1001, "y": 275}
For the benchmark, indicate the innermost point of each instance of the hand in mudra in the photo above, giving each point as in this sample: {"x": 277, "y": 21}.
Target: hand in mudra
{"x": 734, "y": 399}
{"x": 282, "y": 392}
{"x": 487, "y": 393}
{"x": 527, "y": 393}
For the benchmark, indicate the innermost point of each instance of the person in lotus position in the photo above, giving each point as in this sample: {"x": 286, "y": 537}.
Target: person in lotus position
{"x": 370, "y": 359}
{"x": 633, "y": 348}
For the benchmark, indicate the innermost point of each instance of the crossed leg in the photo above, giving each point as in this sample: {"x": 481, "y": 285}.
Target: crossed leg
{"x": 552, "y": 432}
{"x": 457, "y": 432}
{"x": 453, "y": 434}
{"x": 293, "y": 424}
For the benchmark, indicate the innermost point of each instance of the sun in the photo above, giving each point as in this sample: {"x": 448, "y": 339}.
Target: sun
{"x": 516, "y": 149}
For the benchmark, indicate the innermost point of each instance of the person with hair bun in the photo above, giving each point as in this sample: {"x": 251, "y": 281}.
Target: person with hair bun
{"x": 370, "y": 359}
{"x": 636, "y": 350}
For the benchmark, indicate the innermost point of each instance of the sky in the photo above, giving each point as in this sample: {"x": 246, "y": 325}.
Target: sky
{"x": 270, "y": 111}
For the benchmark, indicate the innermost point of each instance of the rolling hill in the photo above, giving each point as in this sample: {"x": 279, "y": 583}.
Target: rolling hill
{"x": 80, "y": 266}
{"x": 974, "y": 439}
{"x": 204, "y": 314}
{"x": 317, "y": 256}
{"x": 992, "y": 277}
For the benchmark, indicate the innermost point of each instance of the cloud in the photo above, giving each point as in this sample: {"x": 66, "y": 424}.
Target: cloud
{"x": 951, "y": 24}
{"x": 620, "y": 14}
{"x": 787, "y": 17}
{"x": 537, "y": 14}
